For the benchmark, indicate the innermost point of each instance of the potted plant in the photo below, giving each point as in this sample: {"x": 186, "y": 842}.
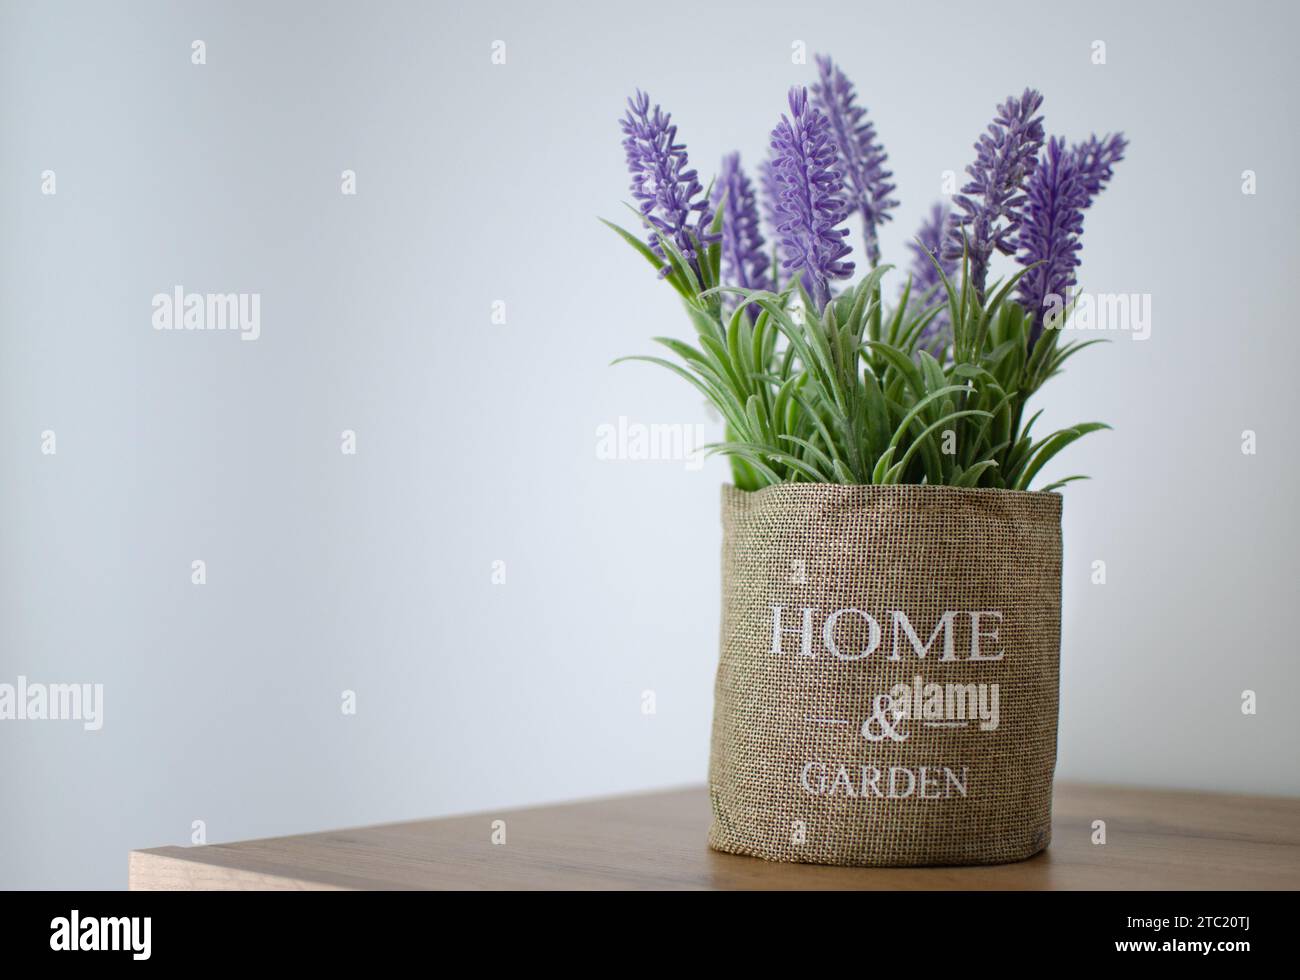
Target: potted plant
{"x": 887, "y": 688}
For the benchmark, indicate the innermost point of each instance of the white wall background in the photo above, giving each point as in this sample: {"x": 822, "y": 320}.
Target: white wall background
{"x": 477, "y": 442}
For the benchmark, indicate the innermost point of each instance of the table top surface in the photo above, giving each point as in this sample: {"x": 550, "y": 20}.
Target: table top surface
{"x": 1155, "y": 839}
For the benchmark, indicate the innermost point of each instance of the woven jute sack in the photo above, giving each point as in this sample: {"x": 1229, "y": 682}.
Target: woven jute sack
{"x": 887, "y": 690}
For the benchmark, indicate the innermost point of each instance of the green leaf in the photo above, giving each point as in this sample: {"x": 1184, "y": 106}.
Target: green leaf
{"x": 897, "y": 468}
{"x": 971, "y": 477}
{"x": 1050, "y": 446}
{"x": 1060, "y": 483}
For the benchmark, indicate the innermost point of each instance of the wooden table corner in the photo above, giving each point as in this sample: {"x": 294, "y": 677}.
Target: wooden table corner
{"x": 1154, "y": 839}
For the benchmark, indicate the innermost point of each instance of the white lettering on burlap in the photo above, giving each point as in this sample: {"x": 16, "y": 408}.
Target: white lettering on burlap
{"x": 828, "y": 635}
{"x": 777, "y": 630}
{"x": 945, "y": 624}
{"x": 902, "y": 627}
{"x": 976, "y": 635}
{"x": 901, "y": 782}
{"x": 821, "y": 781}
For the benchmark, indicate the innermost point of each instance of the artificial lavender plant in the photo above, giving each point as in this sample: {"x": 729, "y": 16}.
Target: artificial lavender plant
{"x": 861, "y": 157}
{"x": 1060, "y": 189}
{"x": 809, "y": 206}
{"x": 744, "y": 263}
{"x": 1049, "y": 233}
{"x": 1095, "y": 158}
{"x": 770, "y": 194}
{"x": 990, "y": 202}
{"x": 929, "y": 267}
{"x": 815, "y": 386}
{"x": 667, "y": 191}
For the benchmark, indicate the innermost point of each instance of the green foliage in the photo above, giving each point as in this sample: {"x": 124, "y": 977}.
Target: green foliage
{"x": 851, "y": 397}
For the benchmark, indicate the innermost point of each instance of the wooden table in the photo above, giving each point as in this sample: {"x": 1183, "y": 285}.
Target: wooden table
{"x": 1154, "y": 840}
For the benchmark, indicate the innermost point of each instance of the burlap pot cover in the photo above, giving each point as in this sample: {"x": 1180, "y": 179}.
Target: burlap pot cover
{"x": 888, "y": 683}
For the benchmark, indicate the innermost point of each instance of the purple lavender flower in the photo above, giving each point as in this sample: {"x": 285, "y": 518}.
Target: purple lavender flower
{"x": 769, "y": 198}
{"x": 861, "y": 157}
{"x": 770, "y": 195}
{"x": 663, "y": 185}
{"x": 992, "y": 199}
{"x": 925, "y": 277}
{"x": 1053, "y": 221}
{"x": 931, "y": 235}
{"x": 743, "y": 261}
{"x": 810, "y": 205}
{"x": 1095, "y": 158}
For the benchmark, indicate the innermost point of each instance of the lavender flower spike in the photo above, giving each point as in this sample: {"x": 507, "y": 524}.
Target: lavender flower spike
{"x": 663, "y": 185}
{"x": 1053, "y": 221}
{"x": 770, "y": 195}
{"x": 810, "y": 204}
{"x": 1095, "y": 159}
{"x": 769, "y": 198}
{"x": 931, "y": 235}
{"x": 743, "y": 261}
{"x": 861, "y": 157}
{"x": 991, "y": 201}
{"x": 925, "y": 277}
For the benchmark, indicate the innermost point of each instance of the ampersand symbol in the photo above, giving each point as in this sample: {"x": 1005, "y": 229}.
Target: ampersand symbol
{"x": 885, "y": 714}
